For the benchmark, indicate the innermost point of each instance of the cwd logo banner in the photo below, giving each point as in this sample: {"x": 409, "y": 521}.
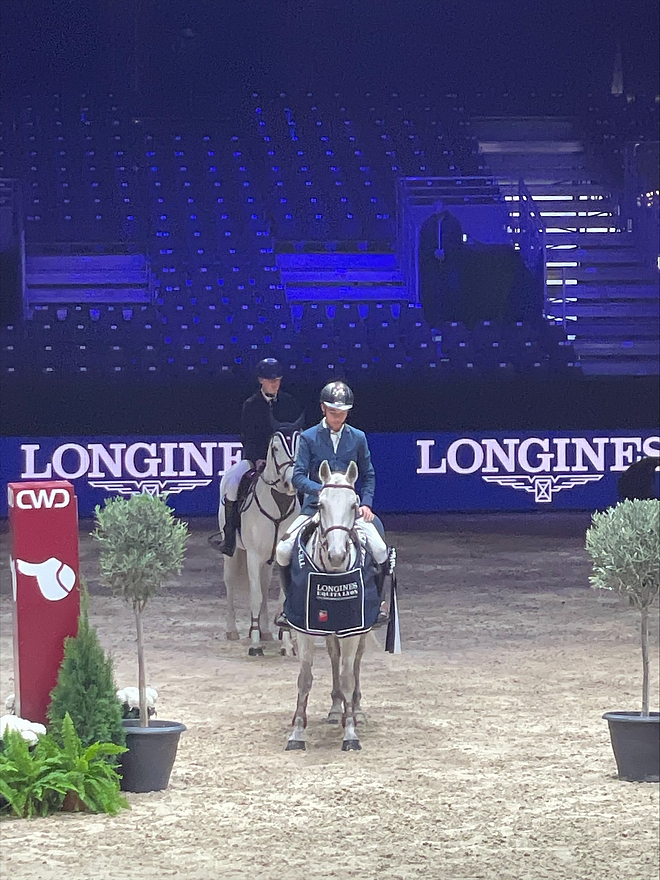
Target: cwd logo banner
{"x": 420, "y": 472}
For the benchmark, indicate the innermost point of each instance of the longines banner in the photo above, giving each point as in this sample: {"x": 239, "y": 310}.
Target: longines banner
{"x": 420, "y": 472}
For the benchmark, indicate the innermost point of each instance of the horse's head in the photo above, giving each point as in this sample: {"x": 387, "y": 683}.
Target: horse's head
{"x": 338, "y": 508}
{"x": 280, "y": 460}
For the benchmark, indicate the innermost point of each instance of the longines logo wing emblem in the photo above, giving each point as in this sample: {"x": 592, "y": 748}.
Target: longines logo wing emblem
{"x": 545, "y": 486}
{"x": 149, "y": 487}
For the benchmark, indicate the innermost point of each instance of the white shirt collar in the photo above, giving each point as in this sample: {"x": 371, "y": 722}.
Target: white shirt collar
{"x": 325, "y": 424}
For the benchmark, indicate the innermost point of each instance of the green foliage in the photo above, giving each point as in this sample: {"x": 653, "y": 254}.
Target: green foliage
{"x": 86, "y": 689}
{"x": 35, "y": 782}
{"x": 141, "y": 544}
{"x": 624, "y": 545}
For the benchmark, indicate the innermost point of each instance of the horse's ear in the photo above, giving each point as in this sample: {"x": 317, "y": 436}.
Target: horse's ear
{"x": 324, "y": 471}
{"x": 352, "y": 473}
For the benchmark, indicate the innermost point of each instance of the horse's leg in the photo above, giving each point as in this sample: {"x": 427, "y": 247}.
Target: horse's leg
{"x": 230, "y": 574}
{"x": 360, "y": 717}
{"x": 288, "y": 648}
{"x": 254, "y": 581}
{"x": 264, "y": 623}
{"x": 348, "y": 650}
{"x": 306, "y": 650}
{"x": 336, "y": 712}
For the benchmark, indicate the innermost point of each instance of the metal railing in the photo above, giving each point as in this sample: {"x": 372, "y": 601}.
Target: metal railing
{"x": 530, "y": 237}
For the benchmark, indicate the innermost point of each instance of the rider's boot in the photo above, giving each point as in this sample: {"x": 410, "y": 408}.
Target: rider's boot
{"x": 285, "y": 576}
{"x": 382, "y": 572}
{"x": 229, "y": 531}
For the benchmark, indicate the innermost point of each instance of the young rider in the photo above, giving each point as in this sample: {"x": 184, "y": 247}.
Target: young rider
{"x": 265, "y": 407}
{"x": 339, "y": 443}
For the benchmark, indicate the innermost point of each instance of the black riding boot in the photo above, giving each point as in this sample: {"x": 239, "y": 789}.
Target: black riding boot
{"x": 229, "y": 531}
{"x": 285, "y": 578}
{"x": 383, "y": 569}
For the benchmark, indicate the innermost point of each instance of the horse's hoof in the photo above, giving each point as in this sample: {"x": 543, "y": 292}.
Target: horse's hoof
{"x": 296, "y": 745}
{"x": 333, "y": 719}
{"x": 255, "y": 652}
{"x": 351, "y": 745}
{"x": 360, "y": 718}
{"x": 232, "y": 635}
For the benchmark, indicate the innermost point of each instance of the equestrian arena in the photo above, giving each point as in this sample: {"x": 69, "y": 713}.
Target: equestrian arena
{"x": 484, "y": 754}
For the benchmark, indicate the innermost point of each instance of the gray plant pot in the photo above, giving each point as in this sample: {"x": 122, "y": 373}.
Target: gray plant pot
{"x": 147, "y": 764}
{"x": 636, "y": 744}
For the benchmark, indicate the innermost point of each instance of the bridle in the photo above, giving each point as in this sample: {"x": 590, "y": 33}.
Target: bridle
{"x": 350, "y": 530}
{"x": 285, "y": 503}
{"x": 290, "y": 452}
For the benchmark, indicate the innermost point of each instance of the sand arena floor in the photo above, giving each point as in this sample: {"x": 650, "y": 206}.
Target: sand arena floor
{"x": 484, "y": 755}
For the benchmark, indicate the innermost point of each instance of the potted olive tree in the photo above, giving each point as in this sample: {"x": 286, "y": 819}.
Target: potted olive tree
{"x": 141, "y": 544}
{"x": 624, "y": 545}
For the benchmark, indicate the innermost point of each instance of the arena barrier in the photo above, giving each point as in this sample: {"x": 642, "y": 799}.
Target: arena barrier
{"x": 416, "y": 473}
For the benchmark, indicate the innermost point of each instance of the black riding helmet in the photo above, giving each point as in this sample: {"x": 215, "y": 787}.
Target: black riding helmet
{"x": 269, "y": 368}
{"x": 337, "y": 395}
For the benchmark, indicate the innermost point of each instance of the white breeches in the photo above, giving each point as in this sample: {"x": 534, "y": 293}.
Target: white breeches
{"x": 233, "y": 477}
{"x": 374, "y": 542}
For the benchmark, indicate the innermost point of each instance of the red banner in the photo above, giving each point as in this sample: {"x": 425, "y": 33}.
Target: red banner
{"x": 43, "y": 519}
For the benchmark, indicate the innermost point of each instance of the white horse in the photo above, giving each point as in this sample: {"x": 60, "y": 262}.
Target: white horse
{"x": 334, "y": 546}
{"x": 270, "y": 508}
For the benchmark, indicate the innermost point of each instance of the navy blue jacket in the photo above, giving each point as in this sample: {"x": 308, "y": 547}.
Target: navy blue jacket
{"x": 316, "y": 446}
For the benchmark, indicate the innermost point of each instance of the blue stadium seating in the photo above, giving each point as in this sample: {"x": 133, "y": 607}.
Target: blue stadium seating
{"x": 209, "y": 204}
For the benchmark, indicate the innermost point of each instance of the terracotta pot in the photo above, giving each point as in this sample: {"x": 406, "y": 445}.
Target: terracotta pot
{"x": 73, "y": 804}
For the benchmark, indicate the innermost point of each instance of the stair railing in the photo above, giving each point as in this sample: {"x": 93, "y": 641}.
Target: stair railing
{"x": 530, "y": 236}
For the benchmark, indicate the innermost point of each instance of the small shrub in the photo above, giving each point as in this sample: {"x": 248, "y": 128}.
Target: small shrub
{"x": 624, "y": 545}
{"x": 86, "y": 689}
{"x": 141, "y": 544}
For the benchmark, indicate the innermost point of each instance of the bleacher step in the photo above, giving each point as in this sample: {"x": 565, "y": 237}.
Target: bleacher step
{"x": 601, "y": 275}
{"x": 589, "y": 240}
{"x": 337, "y": 292}
{"x": 98, "y": 294}
{"x": 617, "y": 367}
{"x": 641, "y": 348}
{"x": 650, "y": 310}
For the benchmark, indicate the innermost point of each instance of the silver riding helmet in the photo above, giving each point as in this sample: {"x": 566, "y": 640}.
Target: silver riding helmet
{"x": 337, "y": 395}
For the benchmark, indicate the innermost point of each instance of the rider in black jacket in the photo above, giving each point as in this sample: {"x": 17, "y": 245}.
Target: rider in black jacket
{"x": 265, "y": 408}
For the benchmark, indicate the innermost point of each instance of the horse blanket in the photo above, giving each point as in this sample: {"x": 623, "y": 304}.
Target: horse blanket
{"x": 331, "y": 603}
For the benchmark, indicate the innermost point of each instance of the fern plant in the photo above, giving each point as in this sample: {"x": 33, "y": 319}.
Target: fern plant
{"x": 624, "y": 545}
{"x": 35, "y": 782}
{"x": 141, "y": 544}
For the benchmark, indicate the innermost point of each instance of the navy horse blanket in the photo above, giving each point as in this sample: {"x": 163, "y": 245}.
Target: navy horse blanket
{"x": 339, "y": 603}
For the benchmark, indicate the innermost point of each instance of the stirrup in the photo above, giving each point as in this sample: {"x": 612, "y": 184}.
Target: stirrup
{"x": 282, "y": 621}
{"x": 381, "y": 620}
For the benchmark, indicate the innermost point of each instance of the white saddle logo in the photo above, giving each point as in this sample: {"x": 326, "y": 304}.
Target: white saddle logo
{"x": 55, "y": 578}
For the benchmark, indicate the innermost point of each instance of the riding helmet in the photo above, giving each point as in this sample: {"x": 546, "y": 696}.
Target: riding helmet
{"x": 337, "y": 395}
{"x": 269, "y": 368}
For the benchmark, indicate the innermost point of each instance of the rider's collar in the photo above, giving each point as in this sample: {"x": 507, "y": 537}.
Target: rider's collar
{"x": 324, "y": 423}
{"x": 271, "y": 398}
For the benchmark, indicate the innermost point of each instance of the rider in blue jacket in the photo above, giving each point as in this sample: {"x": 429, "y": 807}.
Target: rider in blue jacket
{"x": 338, "y": 443}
